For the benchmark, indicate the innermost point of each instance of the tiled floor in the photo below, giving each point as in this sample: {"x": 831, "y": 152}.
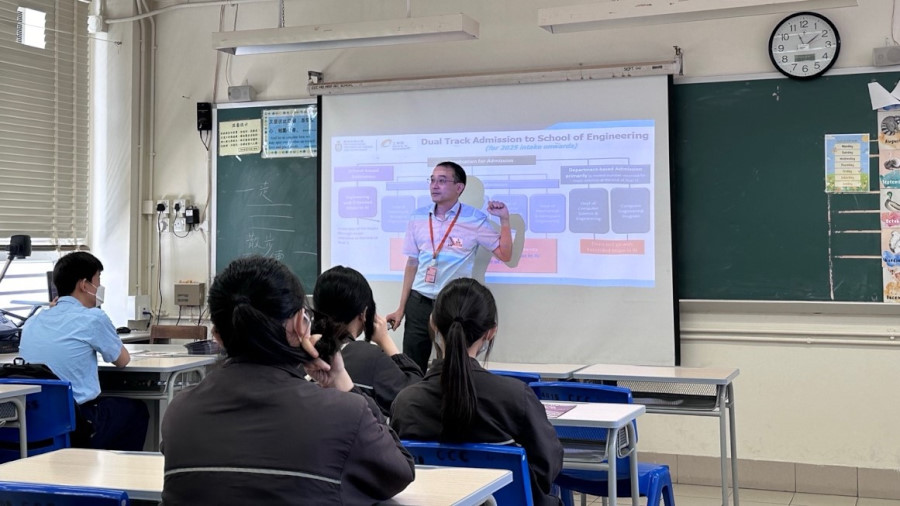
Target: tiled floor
{"x": 695, "y": 495}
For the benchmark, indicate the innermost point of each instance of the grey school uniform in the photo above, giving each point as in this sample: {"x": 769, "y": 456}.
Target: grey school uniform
{"x": 378, "y": 375}
{"x": 258, "y": 434}
{"x": 507, "y": 412}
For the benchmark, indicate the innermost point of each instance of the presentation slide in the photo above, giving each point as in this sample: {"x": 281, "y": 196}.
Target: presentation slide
{"x": 583, "y": 166}
{"x": 583, "y": 190}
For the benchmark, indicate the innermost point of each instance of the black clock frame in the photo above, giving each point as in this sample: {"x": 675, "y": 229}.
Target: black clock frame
{"x": 837, "y": 46}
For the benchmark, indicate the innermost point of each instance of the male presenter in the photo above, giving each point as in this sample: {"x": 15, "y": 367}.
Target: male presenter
{"x": 441, "y": 243}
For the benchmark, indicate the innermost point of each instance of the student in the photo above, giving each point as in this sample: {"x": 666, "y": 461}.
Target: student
{"x": 67, "y": 338}
{"x": 441, "y": 245}
{"x": 255, "y": 431}
{"x": 343, "y": 295}
{"x": 459, "y": 401}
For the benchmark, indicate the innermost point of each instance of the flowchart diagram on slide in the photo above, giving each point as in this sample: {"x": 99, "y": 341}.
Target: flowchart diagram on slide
{"x": 585, "y": 194}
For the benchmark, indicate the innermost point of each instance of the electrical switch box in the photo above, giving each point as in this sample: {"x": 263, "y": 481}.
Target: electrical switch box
{"x": 189, "y": 294}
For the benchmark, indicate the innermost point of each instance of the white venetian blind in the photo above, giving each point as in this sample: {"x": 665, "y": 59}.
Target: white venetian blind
{"x": 44, "y": 120}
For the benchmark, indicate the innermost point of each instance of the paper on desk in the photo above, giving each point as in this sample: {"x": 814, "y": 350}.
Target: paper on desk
{"x": 556, "y": 410}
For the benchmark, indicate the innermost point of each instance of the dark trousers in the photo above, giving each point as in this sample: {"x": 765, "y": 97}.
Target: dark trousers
{"x": 116, "y": 423}
{"x": 416, "y": 342}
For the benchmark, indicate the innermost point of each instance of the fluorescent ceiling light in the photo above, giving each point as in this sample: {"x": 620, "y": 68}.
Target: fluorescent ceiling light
{"x": 628, "y": 13}
{"x": 444, "y": 28}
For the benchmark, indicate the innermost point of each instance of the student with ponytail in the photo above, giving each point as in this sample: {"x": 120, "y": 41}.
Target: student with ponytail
{"x": 377, "y": 367}
{"x": 458, "y": 401}
{"x": 255, "y": 431}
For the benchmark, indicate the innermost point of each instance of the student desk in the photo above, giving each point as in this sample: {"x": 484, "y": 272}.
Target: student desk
{"x": 140, "y": 475}
{"x": 15, "y": 395}
{"x": 156, "y": 373}
{"x": 695, "y": 391}
{"x": 545, "y": 371}
{"x": 614, "y": 418}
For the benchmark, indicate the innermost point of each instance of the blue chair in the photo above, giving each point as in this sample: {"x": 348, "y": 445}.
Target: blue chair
{"x": 527, "y": 377}
{"x": 30, "y": 494}
{"x": 50, "y": 415}
{"x": 654, "y": 480}
{"x": 484, "y": 456}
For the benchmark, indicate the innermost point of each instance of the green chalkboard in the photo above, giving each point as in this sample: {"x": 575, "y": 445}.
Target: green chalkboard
{"x": 269, "y": 205}
{"x": 750, "y": 215}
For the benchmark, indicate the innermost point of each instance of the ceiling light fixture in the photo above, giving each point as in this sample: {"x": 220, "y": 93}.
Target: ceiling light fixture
{"x": 448, "y": 27}
{"x": 630, "y": 13}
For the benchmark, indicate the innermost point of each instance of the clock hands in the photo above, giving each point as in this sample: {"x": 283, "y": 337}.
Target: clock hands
{"x": 814, "y": 38}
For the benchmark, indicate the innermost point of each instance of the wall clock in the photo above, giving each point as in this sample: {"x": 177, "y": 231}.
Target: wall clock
{"x": 804, "y": 45}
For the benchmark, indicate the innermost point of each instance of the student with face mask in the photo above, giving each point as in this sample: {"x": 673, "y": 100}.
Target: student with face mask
{"x": 67, "y": 338}
{"x": 461, "y": 402}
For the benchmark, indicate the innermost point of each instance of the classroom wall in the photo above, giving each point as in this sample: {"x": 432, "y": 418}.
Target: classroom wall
{"x": 787, "y": 393}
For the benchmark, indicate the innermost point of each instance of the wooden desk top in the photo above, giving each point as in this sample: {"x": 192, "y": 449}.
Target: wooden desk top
{"x": 138, "y": 474}
{"x": 549, "y": 371}
{"x": 141, "y": 476}
{"x": 657, "y": 374}
{"x": 456, "y": 486}
{"x": 595, "y": 414}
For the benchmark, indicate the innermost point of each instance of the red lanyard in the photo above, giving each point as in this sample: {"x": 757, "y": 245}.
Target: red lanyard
{"x": 431, "y": 231}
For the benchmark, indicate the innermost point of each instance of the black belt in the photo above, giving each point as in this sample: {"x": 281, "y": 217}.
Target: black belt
{"x": 416, "y": 295}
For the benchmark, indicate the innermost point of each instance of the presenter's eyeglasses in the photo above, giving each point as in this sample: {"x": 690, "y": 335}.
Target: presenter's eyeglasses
{"x": 441, "y": 181}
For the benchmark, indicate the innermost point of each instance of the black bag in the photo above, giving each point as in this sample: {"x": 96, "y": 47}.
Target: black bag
{"x": 20, "y": 369}
{"x": 81, "y": 436}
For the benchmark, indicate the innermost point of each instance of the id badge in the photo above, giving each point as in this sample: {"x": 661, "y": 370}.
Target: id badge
{"x": 431, "y": 274}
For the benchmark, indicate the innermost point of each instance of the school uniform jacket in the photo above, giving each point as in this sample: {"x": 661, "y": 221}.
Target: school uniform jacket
{"x": 378, "y": 375}
{"x": 507, "y": 412}
{"x": 258, "y": 434}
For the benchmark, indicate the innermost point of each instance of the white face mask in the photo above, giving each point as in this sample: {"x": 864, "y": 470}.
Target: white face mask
{"x": 98, "y": 296}
{"x": 484, "y": 347}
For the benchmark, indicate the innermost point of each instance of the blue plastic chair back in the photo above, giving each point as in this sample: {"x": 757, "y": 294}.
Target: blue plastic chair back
{"x": 654, "y": 482}
{"x": 50, "y": 417}
{"x": 480, "y": 455}
{"x": 584, "y": 392}
{"x": 527, "y": 377}
{"x": 30, "y": 494}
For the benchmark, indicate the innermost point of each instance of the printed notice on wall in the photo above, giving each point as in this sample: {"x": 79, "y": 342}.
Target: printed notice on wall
{"x": 240, "y": 137}
{"x": 290, "y": 132}
{"x": 846, "y": 163}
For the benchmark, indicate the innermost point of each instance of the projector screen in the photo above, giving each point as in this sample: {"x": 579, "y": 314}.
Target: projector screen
{"x": 583, "y": 167}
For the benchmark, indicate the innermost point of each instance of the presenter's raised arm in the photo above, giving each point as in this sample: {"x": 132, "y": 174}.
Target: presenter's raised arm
{"x": 409, "y": 274}
{"x": 503, "y": 252}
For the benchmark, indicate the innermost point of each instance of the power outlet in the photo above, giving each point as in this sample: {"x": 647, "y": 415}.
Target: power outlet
{"x": 178, "y": 206}
{"x": 162, "y": 215}
{"x": 179, "y": 225}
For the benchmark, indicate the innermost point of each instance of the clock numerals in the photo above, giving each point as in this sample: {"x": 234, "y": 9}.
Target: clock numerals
{"x": 804, "y": 45}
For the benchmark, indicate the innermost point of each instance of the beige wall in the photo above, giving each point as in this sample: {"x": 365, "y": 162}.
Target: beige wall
{"x": 828, "y": 403}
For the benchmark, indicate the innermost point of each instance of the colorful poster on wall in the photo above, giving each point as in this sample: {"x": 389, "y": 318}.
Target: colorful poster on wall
{"x": 239, "y": 137}
{"x": 889, "y": 208}
{"x": 889, "y": 168}
{"x": 890, "y": 261}
{"x": 846, "y": 163}
{"x": 290, "y": 132}
{"x": 888, "y": 129}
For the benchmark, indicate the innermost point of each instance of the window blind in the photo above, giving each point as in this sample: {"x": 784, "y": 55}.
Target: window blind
{"x": 44, "y": 122}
